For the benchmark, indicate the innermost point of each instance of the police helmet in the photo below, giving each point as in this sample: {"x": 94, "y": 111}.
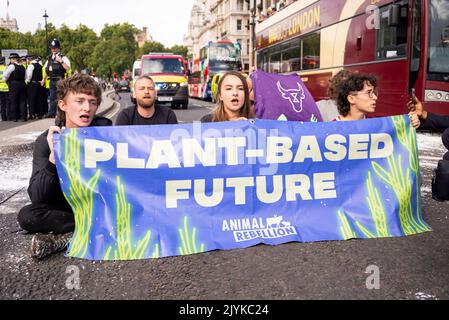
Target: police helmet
{"x": 55, "y": 44}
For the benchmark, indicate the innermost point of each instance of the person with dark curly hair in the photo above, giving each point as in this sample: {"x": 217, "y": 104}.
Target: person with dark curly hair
{"x": 328, "y": 107}
{"x": 357, "y": 98}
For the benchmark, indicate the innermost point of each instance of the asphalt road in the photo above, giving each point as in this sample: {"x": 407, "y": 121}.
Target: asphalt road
{"x": 414, "y": 267}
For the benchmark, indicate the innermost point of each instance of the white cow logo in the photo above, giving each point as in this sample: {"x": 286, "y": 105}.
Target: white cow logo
{"x": 275, "y": 221}
{"x": 295, "y": 96}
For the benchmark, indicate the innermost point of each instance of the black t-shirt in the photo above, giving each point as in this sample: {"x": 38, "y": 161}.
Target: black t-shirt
{"x": 130, "y": 116}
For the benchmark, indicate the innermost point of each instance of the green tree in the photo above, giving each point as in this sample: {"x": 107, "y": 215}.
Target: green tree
{"x": 78, "y": 45}
{"x": 115, "y": 50}
{"x": 151, "y": 46}
{"x": 181, "y": 50}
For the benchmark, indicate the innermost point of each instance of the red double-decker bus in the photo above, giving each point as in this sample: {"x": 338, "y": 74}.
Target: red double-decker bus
{"x": 404, "y": 43}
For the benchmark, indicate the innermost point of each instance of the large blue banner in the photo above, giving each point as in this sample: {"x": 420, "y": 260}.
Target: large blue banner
{"x": 155, "y": 191}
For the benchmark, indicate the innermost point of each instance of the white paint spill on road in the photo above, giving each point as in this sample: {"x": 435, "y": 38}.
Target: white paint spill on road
{"x": 16, "y": 172}
{"x": 430, "y": 142}
{"x": 30, "y": 136}
{"x": 425, "y": 296}
{"x": 426, "y": 190}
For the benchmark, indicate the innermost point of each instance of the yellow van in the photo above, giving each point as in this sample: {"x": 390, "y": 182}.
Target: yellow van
{"x": 170, "y": 74}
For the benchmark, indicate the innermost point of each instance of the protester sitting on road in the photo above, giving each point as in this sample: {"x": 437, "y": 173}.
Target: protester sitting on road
{"x": 146, "y": 111}
{"x": 328, "y": 107}
{"x": 357, "y": 98}
{"x": 431, "y": 121}
{"x": 49, "y": 213}
{"x": 233, "y": 102}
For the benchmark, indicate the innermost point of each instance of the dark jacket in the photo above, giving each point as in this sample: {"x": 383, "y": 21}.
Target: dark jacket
{"x": 44, "y": 185}
{"x": 435, "y": 122}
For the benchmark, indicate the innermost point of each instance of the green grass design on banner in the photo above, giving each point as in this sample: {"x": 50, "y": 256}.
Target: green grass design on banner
{"x": 345, "y": 228}
{"x": 188, "y": 240}
{"x": 408, "y": 140}
{"x": 125, "y": 249}
{"x": 400, "y": 182}
{"x": 377, "y": 212}
{"x": 80, "y": 195}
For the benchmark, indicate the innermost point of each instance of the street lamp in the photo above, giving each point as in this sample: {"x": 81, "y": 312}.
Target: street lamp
{"x": 45, "y": 16}
{"x": 253, "y": 34}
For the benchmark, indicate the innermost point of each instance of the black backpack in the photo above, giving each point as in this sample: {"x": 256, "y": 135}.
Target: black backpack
{"x": 440, "y": 181}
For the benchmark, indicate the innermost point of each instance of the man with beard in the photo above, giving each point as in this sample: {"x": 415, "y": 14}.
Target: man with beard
{"x": 145, "y": 112}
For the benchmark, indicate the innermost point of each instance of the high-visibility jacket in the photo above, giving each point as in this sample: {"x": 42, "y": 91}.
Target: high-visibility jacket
{"x": 47, "y": 82}
{"x": 68, "y": 73}
{"x": 3, "y": 85}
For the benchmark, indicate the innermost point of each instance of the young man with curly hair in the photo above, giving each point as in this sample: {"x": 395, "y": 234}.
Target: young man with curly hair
{"x": 49, "y": 214}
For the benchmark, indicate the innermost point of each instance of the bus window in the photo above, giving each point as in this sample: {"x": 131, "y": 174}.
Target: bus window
{"x": 438, "y": 66}
{"x": 274, "y": 61}
{"x": 290, "y": 57}
{"x": 311, "y": 52}
{"x": 392, "y": 41}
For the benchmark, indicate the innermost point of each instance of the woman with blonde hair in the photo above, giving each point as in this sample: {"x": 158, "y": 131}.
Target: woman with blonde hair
{"x": 232, "y": 98}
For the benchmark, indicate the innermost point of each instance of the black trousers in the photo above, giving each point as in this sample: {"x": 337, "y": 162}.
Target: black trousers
{"x": 43, "y": 218}
{"x": 17, "y": 100}
{"x": 34, "y": 98}
{"x": 4, "y": 105}
{"x": 44, "y": 102}
{"x": 445, "y": 138}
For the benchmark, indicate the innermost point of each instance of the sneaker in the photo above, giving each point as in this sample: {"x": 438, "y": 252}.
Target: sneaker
{"x": 43, "y": 245}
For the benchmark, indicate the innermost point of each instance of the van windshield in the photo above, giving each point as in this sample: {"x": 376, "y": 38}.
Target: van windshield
{"x": 162, "y": 65}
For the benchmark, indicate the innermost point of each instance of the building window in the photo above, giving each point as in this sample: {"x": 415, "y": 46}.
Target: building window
{"x": 247, "y": 46}
{"x": 240, "y": 5}
{"x": 239, "y": 25}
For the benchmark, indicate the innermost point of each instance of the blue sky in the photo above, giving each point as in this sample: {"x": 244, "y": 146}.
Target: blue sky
{"x": 167, "y": 20}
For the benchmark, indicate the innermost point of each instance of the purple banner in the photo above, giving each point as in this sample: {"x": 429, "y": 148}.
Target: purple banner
{"x": 282, "y": 97}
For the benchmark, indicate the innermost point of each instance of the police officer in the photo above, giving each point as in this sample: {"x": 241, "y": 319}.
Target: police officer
{"x": 55, "y": 68}
{"x": 4, "y": 91}
{"x": 15, "y": 78}
{"x": 34, "y": 78}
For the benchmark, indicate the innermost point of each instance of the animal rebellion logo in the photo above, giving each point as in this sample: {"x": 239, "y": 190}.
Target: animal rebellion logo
{"x": 295, "y": 96}
{"x": 253, "y": 228}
